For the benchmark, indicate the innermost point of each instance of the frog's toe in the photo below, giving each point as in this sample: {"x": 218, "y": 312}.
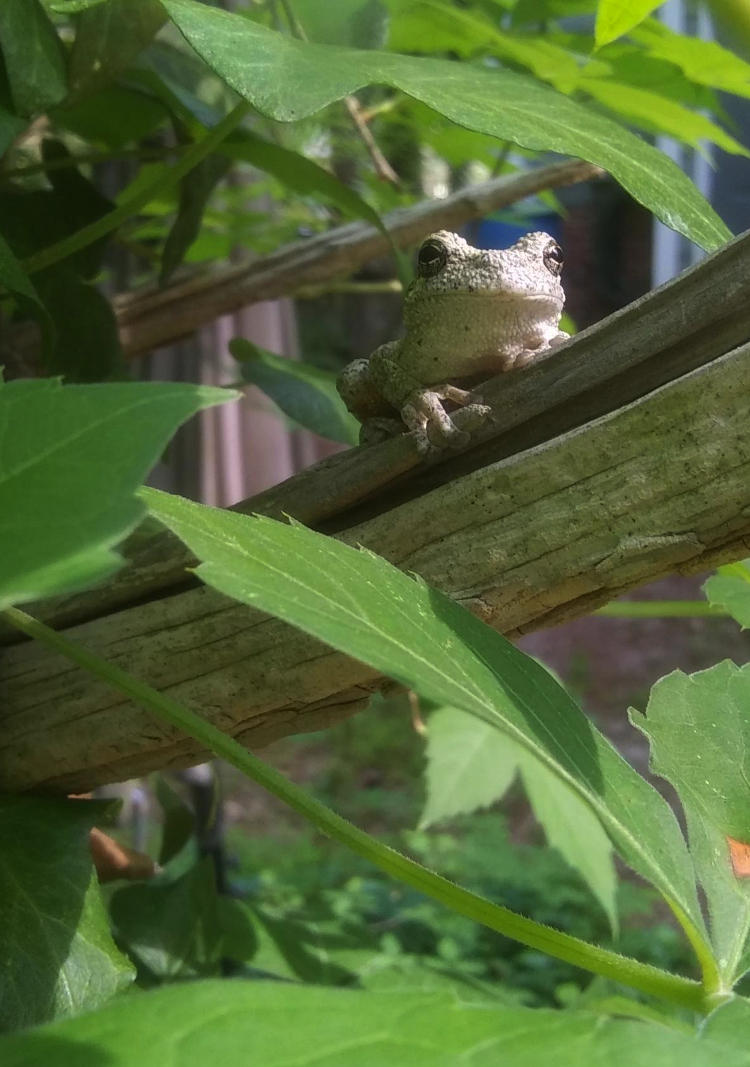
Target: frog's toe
{"x": 472, "y": 416}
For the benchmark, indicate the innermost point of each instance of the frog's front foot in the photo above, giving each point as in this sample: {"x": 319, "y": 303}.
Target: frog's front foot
{"x": 432, "y": 427}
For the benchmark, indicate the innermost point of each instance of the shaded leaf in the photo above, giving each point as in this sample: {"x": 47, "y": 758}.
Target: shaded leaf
{"x": 471, "y": 764}
{"x": 108, "y": 38}
{"x": 304, "y": 393}
{"x": 15, "y": 279}
{"x": 299, "y": 174}
{"x": 278, "y": 1024}
{"x": 365, "y": 607}
{"x": 10, "y": 127}
{"x": 33, "y": 220}
{"x": 288, "y": 80}
{"x": 86, "y": 345}
{"x": 34, "y": 56}
{"x": 73, "y": 457}
{"x": 179, "y": 821}
{"x": 616, "y": 17}
{"x": 195, "y": 192}
{"x": 114, "y": 116}
{"x": 173, "y": 930}
{"x": 57, "y": 957}
{"x": 698, "y": 727}
{"x": 729, "y": 589}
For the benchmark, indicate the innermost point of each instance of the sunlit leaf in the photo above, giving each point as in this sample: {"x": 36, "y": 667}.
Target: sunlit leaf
{"x": 78, "y": 452}
{"x": 616, "y": 17}
{"x": 365, "y": 607}
{"x": 656, "y": 112}
{"x": 705, "y": 62}
{"x": 281, "y": 1024}
{"x": 471, "y": 764}
{"x": 289, "y": 79}
{"x": 698, "y": 728}
{"x": 729, "y": 589}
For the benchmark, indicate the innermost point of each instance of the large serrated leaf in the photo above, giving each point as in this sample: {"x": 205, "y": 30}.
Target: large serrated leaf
{"x": 698, "y": 727}
{"x": 471, "y": 764}
{"x": 288, "y": 80}
{"x": 729, "y": 588}
{"x": 279, "y": 1024}
{"x": 365, "y": 607}
{"x": 72, "y": 458}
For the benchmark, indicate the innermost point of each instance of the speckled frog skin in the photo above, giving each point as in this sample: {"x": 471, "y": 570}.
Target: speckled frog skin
{"x": 468, "y": 313}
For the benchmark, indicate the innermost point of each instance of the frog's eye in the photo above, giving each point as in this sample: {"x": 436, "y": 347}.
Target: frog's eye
{"x": 553, "y": 259}
{"x": 432, "y": 258}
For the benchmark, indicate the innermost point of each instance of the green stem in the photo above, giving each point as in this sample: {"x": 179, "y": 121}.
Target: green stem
{"x": 132, "y": 204}
{"x": 660, "y": 609}
{"x": 562, "y": 946}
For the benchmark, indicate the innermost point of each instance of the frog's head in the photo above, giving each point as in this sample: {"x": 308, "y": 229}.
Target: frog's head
{"x": 528, "y": 270}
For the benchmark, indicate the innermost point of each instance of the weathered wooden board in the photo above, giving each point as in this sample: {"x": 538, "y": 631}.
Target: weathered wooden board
{"x": 659, "y": 485}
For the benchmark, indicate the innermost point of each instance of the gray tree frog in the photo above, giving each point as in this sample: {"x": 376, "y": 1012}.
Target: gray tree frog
{"x": 468, "y": 314}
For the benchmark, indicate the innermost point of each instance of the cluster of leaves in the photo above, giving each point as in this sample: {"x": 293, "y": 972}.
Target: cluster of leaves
{"x": 363, "y": 606}
{"x": 181, "y": 91}
{"x": 91, "y": 76}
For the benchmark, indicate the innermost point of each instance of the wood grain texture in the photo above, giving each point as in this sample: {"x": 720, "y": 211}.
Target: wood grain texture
{"x": 662, "y": 484}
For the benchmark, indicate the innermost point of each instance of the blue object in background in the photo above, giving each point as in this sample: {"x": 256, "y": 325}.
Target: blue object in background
{"x": 502, "y": 232}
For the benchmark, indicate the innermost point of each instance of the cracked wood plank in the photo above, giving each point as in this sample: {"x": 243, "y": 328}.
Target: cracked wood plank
{"x": 659, "y": 485}
{"x": 684, "y": 324}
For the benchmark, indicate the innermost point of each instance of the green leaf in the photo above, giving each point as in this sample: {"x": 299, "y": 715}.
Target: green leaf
{"x": 431, "y": 26}
{"x": 471, "y": 764}
{"x": 15, "y": 279}
{"x": 698, "y": 727}
{"x": 655, "y": 112}
{"x": 299, "y": 174}
{"x": 304, "y": 393}
{"x": 616, "y": 17}
{"x": 108, "y": 38}
{"x": 288, "y": 80}
{"x": 114, "y": 116}
{"x": 362, "y": 23}
{"x": 32, "y": 219}
{"x": 704, "y": 62}
{"x": 729, "y": 589}
{"x": 173, "y": 930}
{"x": 363, "y": 606}
{"x": 279, "y": 1024}
{"x": 56, "y": 954}
{"x": 10, "y": 127}
{"x": 178, "y": 824}
{"x": 195, "y": 192}
{"x": 34, "y": 56}
{"x": 73, "y": 457}
{"x": 86, "y": 345}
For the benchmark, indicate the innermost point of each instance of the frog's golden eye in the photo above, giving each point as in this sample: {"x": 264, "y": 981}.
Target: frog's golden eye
{"x": 553, "y": 259}
{"x": 432, "y": 257}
